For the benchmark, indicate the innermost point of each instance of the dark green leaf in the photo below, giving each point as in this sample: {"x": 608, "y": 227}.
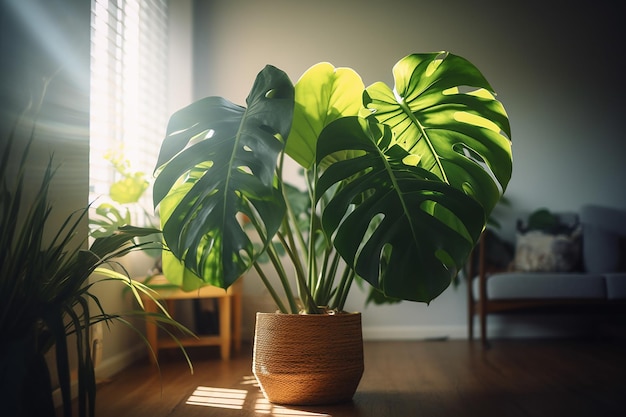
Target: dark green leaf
{"x": 217, "y": 162}
{"x": 400, "y": 227}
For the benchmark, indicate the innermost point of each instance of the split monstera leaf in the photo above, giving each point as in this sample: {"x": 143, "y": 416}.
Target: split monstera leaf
{"x": 400, "y": 181}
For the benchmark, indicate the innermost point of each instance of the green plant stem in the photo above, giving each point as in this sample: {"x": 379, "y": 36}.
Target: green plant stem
{"x": 311, "y": 246}
{"x": 270, "y": 288}
{"x": 290, "y": 218}
{"x": 282, "y": 275}
{"x": 291, "y": 231}
{"x": 303, "y": 289}
{"x": 343, "y": 289}
{"x": 304, "y": 280}
{"x": 289, "y": 244}
{"x": 321, "y": 287}
{"x": 292, "y": 249}
{"x": 330, "y": 278}
{"x": 280, "y": 271}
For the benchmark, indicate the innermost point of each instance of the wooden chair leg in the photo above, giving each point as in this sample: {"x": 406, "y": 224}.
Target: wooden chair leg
{"x": 483, "y": 329}
{"x": 472, "y": 309}
{"x": 225, "y": 325}
{"x": 482, "y": 290}
{"x": 237, "y": 316}
{"x": 470, "y": 299}
{"x": 470, "y": 318}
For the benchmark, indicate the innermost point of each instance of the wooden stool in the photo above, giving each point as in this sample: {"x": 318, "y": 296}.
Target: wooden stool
{"x": 229, "y": 310}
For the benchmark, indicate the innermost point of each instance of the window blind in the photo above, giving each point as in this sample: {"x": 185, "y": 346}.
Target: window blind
{"x": 129, "y": 70}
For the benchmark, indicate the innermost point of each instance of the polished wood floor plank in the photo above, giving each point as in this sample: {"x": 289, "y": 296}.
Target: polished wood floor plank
{"x": 402, "y": 378}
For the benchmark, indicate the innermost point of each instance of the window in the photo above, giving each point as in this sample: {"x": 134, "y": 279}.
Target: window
{"x": 129, "y": 79}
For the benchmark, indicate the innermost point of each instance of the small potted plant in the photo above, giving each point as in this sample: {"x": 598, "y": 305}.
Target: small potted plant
{"x": 124, "y": 194}
{"x": 400, "y": 184}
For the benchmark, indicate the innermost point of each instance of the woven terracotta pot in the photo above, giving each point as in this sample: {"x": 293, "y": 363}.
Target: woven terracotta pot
{"x": 308, "y": 359}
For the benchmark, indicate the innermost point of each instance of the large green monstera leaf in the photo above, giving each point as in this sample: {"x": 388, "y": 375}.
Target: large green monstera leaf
{"x": 406, "y": 190}
{"x": 218, "y": 161}
{"x": 402, "y": 229}
{"x": 414, "y": 197}
{"x": 444, "y": 113}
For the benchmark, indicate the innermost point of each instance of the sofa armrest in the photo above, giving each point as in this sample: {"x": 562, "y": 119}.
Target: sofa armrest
{"x": 603, "y": 229}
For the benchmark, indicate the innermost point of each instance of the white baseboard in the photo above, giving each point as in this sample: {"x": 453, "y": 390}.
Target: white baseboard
{"x": 117, "y": 363}
{"x": 519, "y": 330}
{"x": 535, "y": 327}
{"x": 106, "y": 369}
{"x": 414, "y": 332}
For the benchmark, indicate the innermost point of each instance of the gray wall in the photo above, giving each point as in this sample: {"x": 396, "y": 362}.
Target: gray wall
{"x": 45, "y": 48}
{"x": 49, "y": 42}
{"x": 45, "y": 62}
{"x": 555, "y": 67}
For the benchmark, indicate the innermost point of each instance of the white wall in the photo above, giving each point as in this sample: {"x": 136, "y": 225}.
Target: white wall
{"x": 180, "y": 54}
{"x": 554, "y": 67}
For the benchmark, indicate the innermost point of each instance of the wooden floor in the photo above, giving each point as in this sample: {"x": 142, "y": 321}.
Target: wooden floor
{"x": 401, "y": 379}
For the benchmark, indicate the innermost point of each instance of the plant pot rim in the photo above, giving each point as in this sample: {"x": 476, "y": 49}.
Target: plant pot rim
{"x": 329, "y": 313}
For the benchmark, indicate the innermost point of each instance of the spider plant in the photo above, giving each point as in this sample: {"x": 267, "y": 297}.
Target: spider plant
{"x": 124, "y": 194}
{"x": 47, "y": 298}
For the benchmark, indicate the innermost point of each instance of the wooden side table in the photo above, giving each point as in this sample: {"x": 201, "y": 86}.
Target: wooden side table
{"x": 229, "y": 310}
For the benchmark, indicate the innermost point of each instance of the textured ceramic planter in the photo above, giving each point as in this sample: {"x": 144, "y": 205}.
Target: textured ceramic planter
{"x": 308, "y": 359}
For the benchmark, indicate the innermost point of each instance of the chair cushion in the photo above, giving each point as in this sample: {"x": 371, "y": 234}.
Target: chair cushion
{"x": 535, "y": 285}
{"x": 538, "y": 251}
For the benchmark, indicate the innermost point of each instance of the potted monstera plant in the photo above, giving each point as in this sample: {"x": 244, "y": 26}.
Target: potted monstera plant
{"x": 399, "y": 181}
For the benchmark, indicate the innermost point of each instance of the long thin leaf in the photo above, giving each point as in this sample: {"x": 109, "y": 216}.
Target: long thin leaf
{"x": 44, "y": 284}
